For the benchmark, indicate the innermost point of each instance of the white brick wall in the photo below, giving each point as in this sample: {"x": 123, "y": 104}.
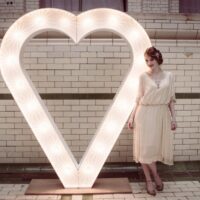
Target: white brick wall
{"x": 51, "y": 66}
{"x": 31, "y": 5}
{"x": 97, "y": 71}
{"x": 135, "y": 6}
{"x": 58, "y": 68}
{"x": 165, "y": 26}
{"x": 145, "y": 6}
{"x": 153, "y": 6}
{"x": 12, "y": 6}
{"x": 174, "y": 6}
{"x": 18, "y": 6}
{"x": 98, "y": 66}
{"x": 76, "y": 119}
{"x": 47, "y": 61}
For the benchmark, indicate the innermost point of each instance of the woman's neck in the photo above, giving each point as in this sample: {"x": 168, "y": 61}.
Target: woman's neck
{"x": 157, "y": 70}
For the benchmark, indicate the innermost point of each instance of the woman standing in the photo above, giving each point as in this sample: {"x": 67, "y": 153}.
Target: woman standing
{"x": 153, "y": 118}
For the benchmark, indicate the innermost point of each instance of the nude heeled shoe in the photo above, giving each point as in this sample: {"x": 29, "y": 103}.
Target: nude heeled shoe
{"x": 151, "y": 192}
{"x": 159, "y": 187}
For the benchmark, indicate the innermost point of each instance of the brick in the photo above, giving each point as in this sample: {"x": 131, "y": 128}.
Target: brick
{"x": 179, "y": 147}
{"x": 190, "y": 141}
{"x": 185, "y": 26}
{"x": 153, "y": 25}
{"x": 169, "y": 26}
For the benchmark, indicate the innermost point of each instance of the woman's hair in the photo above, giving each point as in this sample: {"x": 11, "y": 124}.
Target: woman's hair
{"x": 155, "y": 54}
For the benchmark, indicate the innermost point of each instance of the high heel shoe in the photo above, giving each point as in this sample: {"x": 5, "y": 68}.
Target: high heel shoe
{"x": 151, "y": 192}
{"x": 159, "y": 186}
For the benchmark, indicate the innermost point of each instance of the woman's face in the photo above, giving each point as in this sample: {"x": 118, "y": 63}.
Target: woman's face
{"x": 151, "y": 62}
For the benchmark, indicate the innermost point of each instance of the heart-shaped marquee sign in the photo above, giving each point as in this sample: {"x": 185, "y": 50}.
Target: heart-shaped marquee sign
{"x": 70, "y": 173}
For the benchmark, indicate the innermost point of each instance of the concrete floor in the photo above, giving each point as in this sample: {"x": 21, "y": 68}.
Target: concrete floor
{"x": 182, "y": 182}
{"x": 174, "y": 190}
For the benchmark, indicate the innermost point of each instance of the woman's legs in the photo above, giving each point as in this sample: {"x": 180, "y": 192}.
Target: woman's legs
{"x": 149, "y": 183}
{"x": 158, "y": 181}
{"x": 146, "y": 171}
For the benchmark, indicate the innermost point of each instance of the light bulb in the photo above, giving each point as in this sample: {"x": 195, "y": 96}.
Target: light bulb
{"x": 88, "y": 22}
{"x": 18, "y": 35}
{"x": 67, "y": 170}
{"x": 43, "y": 127}
{"x": 20, "y": 84}
{"x": 63, "y": 22}
{"x": 31, "y": 106}
{"x": 55, "y": 149}
{"x": 111, "y": 127}
{"x": 11, "y": 60}
{"x": 132, "y": 83}
{"x": 139, "y": 60}
{"x": 113, "y": 20}
{"x": 134, "y": 34}
{"x": 39, "y": 20}
{"x": 88, "y": 169}
{"x": 100, "y": 148}
{"x": 123, "y": 105}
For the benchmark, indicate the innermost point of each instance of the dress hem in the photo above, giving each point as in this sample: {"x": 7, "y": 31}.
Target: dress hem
{"x": 155, "y": 160}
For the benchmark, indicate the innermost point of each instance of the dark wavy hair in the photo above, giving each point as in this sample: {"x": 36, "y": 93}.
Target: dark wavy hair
{"x": 155, "y": 54}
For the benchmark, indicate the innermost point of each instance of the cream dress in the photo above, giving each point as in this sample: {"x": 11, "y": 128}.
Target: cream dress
{"x": 153, "y": 139}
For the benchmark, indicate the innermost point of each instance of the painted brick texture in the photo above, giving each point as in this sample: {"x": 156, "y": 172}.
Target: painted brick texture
{"x": 59, "y": 66}
{"x": 153, "y": 6}
{"x": 99, "y": 66}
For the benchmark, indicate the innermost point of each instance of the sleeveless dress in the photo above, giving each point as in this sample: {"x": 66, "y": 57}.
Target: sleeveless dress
{"x": 153, "y": 138}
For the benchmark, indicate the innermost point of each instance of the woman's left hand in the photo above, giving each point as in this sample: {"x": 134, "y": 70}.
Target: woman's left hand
{"x": 173, "y": 125}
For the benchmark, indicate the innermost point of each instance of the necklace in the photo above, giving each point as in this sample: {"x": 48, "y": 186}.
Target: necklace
{"x": 157, "y": 82}
{"x": 157, "y": 78}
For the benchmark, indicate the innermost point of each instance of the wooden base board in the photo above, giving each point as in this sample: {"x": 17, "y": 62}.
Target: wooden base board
{"x": 101, "y": 186}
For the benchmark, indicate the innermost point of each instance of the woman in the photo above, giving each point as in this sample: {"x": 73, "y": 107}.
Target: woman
{"x": 153, "y": 118}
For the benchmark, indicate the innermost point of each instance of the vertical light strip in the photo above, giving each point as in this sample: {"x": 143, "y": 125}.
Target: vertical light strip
{"x": 35, "y": 112}
{"x": 26, "y": 95}
{"x": 123, "y": 103}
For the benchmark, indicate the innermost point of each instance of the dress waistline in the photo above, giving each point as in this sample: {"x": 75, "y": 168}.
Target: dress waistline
{"x": 153, "y": 104}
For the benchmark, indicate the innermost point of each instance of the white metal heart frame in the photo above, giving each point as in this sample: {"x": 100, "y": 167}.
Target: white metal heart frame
{"x": 70, "y": 173}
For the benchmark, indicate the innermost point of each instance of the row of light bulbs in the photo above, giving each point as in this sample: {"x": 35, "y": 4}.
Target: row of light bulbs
{"x": 84, "y": 174}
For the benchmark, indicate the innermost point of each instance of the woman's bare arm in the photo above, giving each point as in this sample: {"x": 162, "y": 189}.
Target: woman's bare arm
{"x": 173, "y": 115}
{"x": 132, "y": 116}
{"x": 172, "y": 110}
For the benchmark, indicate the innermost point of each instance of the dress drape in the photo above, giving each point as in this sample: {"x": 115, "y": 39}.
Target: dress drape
{"x": 153, "y": 138}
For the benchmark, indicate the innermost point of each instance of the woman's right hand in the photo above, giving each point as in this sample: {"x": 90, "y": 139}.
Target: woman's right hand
{"x": 130, "y": 123}
{"x": 131, "y": 118}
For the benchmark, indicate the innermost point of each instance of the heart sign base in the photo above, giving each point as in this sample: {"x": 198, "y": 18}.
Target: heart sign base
{"x": 101, "y": 186}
